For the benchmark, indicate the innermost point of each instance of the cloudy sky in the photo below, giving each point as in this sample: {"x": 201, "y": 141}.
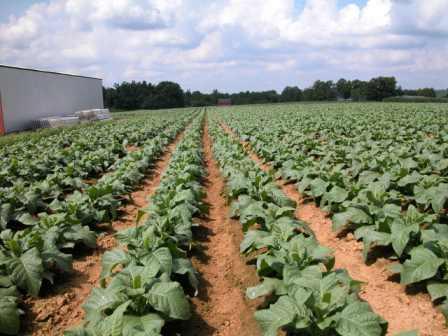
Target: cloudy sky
{"x": 230, "y": 45}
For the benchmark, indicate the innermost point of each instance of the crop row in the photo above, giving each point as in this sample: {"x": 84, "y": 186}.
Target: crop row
{"x": 73, "y": 152}
{"x": 31, "y": 255}
{"x": 303, "y": 293}
{"x": 143, "y": 285}
{"x": 70, "y": 166}
{"x": 382, "y": 174}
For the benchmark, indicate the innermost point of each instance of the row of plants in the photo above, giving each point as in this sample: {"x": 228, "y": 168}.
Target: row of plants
{"x": 379, "y": 170}
{"x": 145, "y": 281}
{"x": 34, "y": 254}
{"x": 26, "y": 198}
{"x": 76, "y": 152}
{"x": 303, "y": 293}
{"x": 73, "y": 168}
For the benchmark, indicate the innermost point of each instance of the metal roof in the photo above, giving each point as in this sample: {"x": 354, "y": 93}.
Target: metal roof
{"x": 49, "y": 72}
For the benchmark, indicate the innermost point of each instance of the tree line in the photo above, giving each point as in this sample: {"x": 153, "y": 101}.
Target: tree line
{"x": 144, "y": 95}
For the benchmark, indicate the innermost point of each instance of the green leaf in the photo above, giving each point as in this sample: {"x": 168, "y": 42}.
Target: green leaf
{"x": 184, "y": 266}
{"x": 337, "y": 195}
{"x": 422, "y": 265}
{"x": 9, "y": 316}
{"x": 54, "y": 257}
{"x": 254, "y": 239}
{"x": 160, "y": 259}
{"x": 99, "y": 300}
{"x": 116, "y": 319}
{"x": 111, "y": 259}
{"x": 28, "y": 219}
{"x": 26, "y": 271}
{"x": 400, "y": 235}
{"x": 352, "y": 215}
{"x": 276, "y": 316}
{"x": 252, "y": 214}
{"x": 357, "y": 319}
{"x": 268, "y": 286}
{"x": 169, "y": 298}
{"x": 437, "y": 290}
{"x": 147, "y": 325}
{"x": 409, "y": 179}
{"x": 371, "y": 237}
{"x": 319, "y": 187}
{"x": 439, "y": 197}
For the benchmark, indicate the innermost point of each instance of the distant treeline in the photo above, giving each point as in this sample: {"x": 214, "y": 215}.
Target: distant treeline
{"x": 144, "y": 95}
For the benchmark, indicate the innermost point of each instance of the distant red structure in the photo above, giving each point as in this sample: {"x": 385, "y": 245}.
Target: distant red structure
{"x": 224, "y": 102}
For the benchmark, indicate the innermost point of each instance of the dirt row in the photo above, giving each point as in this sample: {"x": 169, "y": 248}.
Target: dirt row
{"x": 221, "y": 307}
{"x": 60, "y": 307}
{"x": 403, "y": 309}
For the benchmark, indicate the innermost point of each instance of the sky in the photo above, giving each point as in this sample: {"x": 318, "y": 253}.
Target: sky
{"x": 230, "y": 45}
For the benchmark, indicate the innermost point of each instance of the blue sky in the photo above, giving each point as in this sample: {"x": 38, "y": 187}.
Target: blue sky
{"x": 14, "y": 7}
{"x": 230, "y": 45}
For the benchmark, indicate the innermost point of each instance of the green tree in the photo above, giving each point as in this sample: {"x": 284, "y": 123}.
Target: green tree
{"x": 426, "y": 92}
{"x": 321, "y": 90}
{"x": 344, "y": 88}
{"x": 359, "y": 90}
{"x": 381, "y": 87}
{"x": 291, "y": 94}
{"x": 166, "y": 95}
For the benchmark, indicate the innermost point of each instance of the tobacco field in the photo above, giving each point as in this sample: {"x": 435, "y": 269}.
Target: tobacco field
{"x": 287, "y": 219}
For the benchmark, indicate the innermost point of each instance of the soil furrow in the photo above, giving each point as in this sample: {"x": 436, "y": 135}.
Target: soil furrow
{"x": 61, "y": 307}
{"x": 220, "y": 307}
{"x": 402, "y": 309}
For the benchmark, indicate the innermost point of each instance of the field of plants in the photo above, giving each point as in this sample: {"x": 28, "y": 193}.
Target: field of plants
{"x": 287, "y": 219}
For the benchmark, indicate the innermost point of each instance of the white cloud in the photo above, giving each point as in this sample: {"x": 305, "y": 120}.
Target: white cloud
{"x": 233, "y": 44}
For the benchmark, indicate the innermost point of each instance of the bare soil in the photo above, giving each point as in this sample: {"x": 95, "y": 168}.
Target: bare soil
{"x": 132, "y": 148}
{"x": 403, "y": 310}
{"x": 60, "y": 307}
{"x": 220, "y": 307}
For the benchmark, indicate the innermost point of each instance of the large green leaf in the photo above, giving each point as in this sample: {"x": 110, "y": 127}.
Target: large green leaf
{"x": 9, "y": 316}
{"x": 116, "y": 319}
{"x": 422, "y": 265}
{"x": 337, "y": 195}
{"x": 357, "y": 319}
{"x": 352, "y": 216}
{"x": 146, "y": 325}
{"x": 159, "y": 260}
{"x": 111, "y": 259}
{"x": 26, "y": 271}
{"x": 99, "y": 300}
{"x": 318, "y": 187}
{"x": 276, "y": 316}
{"x": 437, "y": 290}
{"x": 184, "y": 266}
{"x": 169, "y": 298}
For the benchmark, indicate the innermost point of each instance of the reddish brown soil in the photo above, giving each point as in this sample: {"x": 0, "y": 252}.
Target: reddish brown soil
{"x": 389, "y": 299}
{"x": 221, "y": 307}
{"x": 132, "y": 148}
{"x": 61, "y": 307}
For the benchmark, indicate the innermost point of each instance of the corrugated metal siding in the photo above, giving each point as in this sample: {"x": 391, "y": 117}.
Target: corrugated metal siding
{"x": 28, "y": 95}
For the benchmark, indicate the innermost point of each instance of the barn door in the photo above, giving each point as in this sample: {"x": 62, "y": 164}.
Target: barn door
{"x": 2, "y": 124}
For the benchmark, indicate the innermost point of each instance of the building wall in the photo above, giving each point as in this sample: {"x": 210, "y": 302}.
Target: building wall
{"x": 29, "y": 95}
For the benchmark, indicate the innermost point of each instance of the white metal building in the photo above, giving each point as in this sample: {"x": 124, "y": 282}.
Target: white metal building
{"x": 28, "y": 94}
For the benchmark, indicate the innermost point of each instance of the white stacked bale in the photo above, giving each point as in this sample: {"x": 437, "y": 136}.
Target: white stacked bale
{"x": 52, "y": 122}
{"x": 94, "y": 115}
